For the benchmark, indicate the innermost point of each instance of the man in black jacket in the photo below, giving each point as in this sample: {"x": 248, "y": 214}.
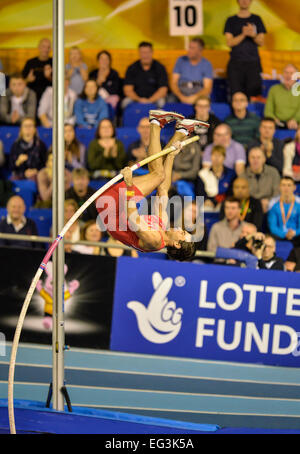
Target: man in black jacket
{"x": 251, "y": 209}
{"x": 16, "y": 223}
{"x": 267, "y": 258}
{"x": 146, "y": 80}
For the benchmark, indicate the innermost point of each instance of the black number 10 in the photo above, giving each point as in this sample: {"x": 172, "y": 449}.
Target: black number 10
{"x": 190, "y": 15}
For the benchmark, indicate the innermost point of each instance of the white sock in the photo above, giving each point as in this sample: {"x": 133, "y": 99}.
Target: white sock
{"x": 183, "y": 131}
{"x": 155, "y": 122}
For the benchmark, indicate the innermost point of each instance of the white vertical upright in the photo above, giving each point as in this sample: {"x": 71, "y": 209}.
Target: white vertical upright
{"x": 58, "y": 334}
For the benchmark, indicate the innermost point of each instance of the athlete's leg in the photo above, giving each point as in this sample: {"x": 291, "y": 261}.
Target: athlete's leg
{"x": 149, "y": 182}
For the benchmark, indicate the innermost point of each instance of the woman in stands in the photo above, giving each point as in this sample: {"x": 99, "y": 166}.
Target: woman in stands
{"x": 107, "y": 79}
{"x": 74, "y": 150}
{"x": 44, "y": 183}
{"x": 89, "y": 232}
{"x": 291, "y": 158}
{"x": 28, "y": 153}
{"x": 106, "y": 154}
{"x": 90, "y": 108}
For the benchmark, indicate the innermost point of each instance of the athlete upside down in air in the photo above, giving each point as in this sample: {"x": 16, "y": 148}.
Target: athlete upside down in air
{"x": 117, "y": 206}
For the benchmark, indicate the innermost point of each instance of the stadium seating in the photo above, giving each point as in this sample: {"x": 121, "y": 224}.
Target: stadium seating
{"x": 220, "y": 90}
{"x": 221, "y": 110}
{"x": 134, "y": 112}
{"x": 283, "y": 248}
{"x": 267, "y": 84}
{"x": 285, "y": 134}
{"x": 185, "y": 109}
{"x": 27, "y": 189}
{"x": 42, "y": 218}
{"x": 257, "y": 108}
{"x": 127, "y": 135}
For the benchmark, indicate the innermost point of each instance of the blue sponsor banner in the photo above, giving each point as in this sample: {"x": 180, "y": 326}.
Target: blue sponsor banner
{"x": 206, "y": 311}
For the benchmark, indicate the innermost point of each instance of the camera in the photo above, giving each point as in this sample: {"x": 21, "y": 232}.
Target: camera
{"x": 257, "y": 244}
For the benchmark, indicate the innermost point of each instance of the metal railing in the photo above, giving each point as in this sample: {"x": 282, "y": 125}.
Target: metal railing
{"x": 101, "y": 244}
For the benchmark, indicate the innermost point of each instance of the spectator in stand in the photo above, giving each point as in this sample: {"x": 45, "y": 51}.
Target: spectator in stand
{"x": 244, "y": 242}
{"x": 244, "y": 33}
{"x": 235, "y": 152}
{"x": 70, "y": 208}
{"x": 202, "y": 112}
{"x": 185, "y": 168}
{"x": 45, "y": 110}
{"x": 89, "y": 232}
{"x": 81, "y": 192}
{"x": 268, "y": 259}
{"x": 76, "y": 70}
{"x": 215, "y": 182}
{"x": 291, "y": 158}
{"x": 28, "y": 153}
{"x": 284, "y": 215}
{"x": 189, "y": 217}
{"x": 19, "y": 101}
{"x": 38, "y": 70}
{"x": 225, "y": 233}
{"x": 75, "y": 151}
{"x": 272, "y": 147}
{"x": 282, "y": 103}
{"x": 293, "y": 261}
{"x": 138, "y": 149}
{"x": 263, "y": 179}
{"x": 118, "y": 252}
{"x": 108, "y": 79}
{"x": 146, "y": 80}
{"x": 16, "y": 223}
{"x": 106, "y": 154}
{"x": 90, "y": 108}
{"x": 251, "y": 208}
{"x": 244, "y": 124}
{"x": 192, "y": 75}
{"x": 44, "y": 183}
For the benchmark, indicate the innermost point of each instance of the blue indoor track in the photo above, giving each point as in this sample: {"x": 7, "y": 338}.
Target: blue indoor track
{"x": 121, "y": 393}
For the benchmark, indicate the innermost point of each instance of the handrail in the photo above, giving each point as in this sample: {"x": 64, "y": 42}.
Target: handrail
{"x": 105, "y": 245}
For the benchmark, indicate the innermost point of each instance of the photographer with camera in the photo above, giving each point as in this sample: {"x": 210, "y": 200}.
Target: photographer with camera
{"x": 255, "y": 249}
{"x": 264, "y": 248}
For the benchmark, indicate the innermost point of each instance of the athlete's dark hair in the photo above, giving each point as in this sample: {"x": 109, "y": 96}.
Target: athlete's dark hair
{"x": 185, "y": 252}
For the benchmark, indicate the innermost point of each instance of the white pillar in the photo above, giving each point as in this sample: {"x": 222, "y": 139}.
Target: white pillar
{"x": 58, "y": 335}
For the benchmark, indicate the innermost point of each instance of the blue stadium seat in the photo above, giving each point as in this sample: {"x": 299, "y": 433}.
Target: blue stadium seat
{"x": 185, "y": 188}
{"x": 210, "y": 217}
{"x": 283, "y": 248}
{"x": 85, "y": 135}
{"x": 43, "y": 219}
{"x": 127, "y": 135}
{"x": 185, "y": 109}
{"x": 285, "y": 134}
{"x": 112, "y": 112}
{"x": 220, "y": 90}
{"x": 221, "y": 110}
{"x": 3, "y": 212}
{"x": 27, "y": 189}
{"x": 8, "y": 135}
{"x": 45, "y": 135}
{"x": 134, "y": 112}
{"x": 257, "y": 108}
{"x": 97, "y": 184}
{"x": 267, "y": 84}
